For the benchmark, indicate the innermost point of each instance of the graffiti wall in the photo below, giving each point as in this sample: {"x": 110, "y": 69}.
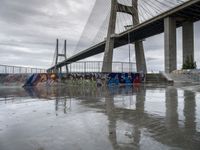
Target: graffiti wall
{"x": 43, "y": 79}
{"x": 13, "y": 79}
{"x": 92, "y": 79}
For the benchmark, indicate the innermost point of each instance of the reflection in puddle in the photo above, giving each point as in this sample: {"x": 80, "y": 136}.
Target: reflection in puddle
{"x": 99, "y": 118}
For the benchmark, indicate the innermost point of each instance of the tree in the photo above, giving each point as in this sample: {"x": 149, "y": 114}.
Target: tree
{"x": 189, "y": 63}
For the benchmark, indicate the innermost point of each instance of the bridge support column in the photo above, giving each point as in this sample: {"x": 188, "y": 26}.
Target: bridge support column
{"x": 64, "y": 55}
{"x": 170, "y": 44}
{"x": 139, "y": 48}
{"x": 140, "y": 57}
{"x": 188, "y": 41}
{"x": 108, "y": 54}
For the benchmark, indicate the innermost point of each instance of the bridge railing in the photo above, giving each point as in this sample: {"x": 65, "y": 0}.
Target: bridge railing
{"x": 6, "y": 69}
{"x": 96, "y": 66}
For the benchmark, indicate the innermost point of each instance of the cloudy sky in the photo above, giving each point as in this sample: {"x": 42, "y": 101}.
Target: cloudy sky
{"x": 29, "y": 28}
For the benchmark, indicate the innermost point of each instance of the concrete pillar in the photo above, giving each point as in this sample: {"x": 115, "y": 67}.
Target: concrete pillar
{"x": 170, "y": 44}
{"x": 65, "y": 54}
{"x": 108, "y": 54}
{"x": 140, "y": 57}
{"x": 139, "y": 49}
{"x": 188, "y": 41}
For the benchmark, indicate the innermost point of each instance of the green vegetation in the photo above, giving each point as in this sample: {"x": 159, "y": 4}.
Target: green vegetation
{"x": 190, "y": 63}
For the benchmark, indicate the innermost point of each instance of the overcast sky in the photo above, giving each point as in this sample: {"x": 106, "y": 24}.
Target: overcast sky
{"x": 29, "y": 28}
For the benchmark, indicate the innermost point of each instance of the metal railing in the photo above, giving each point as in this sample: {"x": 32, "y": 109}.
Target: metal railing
{"x": 96, "y": 66}
{"x": 5, "y": 69}
{"x": 82, "y": 67}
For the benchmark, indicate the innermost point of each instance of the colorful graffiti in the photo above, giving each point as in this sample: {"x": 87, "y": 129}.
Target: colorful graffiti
{"x": 42, "y": 79}
{"x": 123, "y": 79}
{"x": 13, "y": 79}
{"x": 92, "y": 79}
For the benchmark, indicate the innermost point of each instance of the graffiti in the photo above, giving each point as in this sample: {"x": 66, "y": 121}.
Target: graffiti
{"x": 13, "y": 79}
{"x": 42, "y": 79}
{"x": 123, "y": 79}
{"x": 87, "y": 79}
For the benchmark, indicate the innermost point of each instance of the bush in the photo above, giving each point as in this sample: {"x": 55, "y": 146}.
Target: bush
{"x": 189, "y": 63}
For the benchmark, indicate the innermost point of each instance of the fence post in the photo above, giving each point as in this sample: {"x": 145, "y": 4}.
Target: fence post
{"x": 84, "y": 67}
{"x": 5, "y": 69}
{"x": 13, "y": 70}
{"x": 99, "y": 66}
{"x": 131, "y": 65}
{"x": 122, "y": 67}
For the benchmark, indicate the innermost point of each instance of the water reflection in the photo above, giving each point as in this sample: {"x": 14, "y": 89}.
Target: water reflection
{"x": 190, "y": 119}
{"x": 171, "y": 108}
{"x": 189, "y": 112}
{"x": 132, "y": 127}
{"x": 115, "y": 114}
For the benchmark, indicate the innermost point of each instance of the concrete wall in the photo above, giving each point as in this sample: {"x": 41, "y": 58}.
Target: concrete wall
{"x": 92, "y": 79}
{"x": 13, "y": 79}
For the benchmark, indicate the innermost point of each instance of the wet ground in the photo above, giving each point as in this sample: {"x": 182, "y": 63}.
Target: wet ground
{"x": 90, "y": 118}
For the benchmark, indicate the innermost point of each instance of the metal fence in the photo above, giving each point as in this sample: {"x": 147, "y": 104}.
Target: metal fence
{"x": 96, "y": 66}
{"x": 5, "y": 69}
{"x": 87, "y": 66}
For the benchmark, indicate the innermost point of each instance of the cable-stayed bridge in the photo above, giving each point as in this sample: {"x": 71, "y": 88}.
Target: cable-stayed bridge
{"x": 131, "y": 21}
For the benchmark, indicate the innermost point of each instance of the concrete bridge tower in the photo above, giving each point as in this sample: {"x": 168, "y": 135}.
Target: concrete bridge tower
{"x": 139, "y": 50}
{"x": 64, "y": 55}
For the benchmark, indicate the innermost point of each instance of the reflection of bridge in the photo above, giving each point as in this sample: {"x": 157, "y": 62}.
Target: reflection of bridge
{"x": 183, "y": 15}
{"x": 167, "y": 130}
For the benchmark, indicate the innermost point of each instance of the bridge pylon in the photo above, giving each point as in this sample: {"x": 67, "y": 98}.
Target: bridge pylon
{"x": 63, "y": 55}
{"x": 139, "y": 49}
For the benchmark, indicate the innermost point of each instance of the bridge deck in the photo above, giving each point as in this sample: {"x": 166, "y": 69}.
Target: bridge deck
{"x": 188, "y": 10}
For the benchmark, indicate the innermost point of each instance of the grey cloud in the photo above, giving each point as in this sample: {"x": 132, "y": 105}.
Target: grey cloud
{"x": 34, "y": 25}
{"x": 17, "y": 11}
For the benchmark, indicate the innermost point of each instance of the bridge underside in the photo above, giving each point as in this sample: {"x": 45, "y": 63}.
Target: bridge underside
{"x": 189, "y": 11}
